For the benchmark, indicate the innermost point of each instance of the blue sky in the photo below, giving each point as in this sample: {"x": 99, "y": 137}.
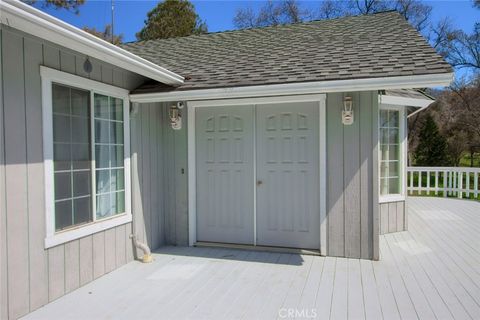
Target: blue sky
{"x": 130, "y": 14}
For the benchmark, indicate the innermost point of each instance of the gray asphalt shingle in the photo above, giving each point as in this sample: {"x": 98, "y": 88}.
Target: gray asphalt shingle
{"x": 379, "y": 45}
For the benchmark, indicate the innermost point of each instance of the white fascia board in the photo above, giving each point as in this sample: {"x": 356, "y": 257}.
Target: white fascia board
{"x": 403, "y": 101}
{"x": 30, "y": 20}
{"x": 418, "y": 81}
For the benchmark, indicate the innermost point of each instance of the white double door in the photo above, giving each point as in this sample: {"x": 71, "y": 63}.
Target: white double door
{"x": 257, "y": 174}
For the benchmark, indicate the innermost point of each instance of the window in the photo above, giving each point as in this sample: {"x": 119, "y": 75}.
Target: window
{"x": 391, "y": 136}
{"x": 86, "y": 137}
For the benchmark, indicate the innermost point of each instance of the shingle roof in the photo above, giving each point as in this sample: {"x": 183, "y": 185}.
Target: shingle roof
{"x": 368, "y": 46}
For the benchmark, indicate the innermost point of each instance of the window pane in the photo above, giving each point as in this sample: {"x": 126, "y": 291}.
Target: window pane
{"x": 61, "y": 156}
{"x": 117, "y": 109}
{"x": 102, "y": 156}
{"x": 63, "y": 185}
{"x": 71, "y": 136}
{"x": 61, "y": 128}
{"x": 116, "y": 156}
{"x": 393, "y": 152}
{"x": 393, "y": 136}
{"x": 383, "y": 169}
{"x": 390, "y": 165}
{"x": 80, "y": 130}
{"x": 102, "y": 108}
{"x": 102, "y": 128}
{"x": 82, "y": 210}
{"x": 383, "y": 136}
{"x": 80, "y": 102}
{"x": 393, "y": 169}
{"x": 393, "y": 119}
{"x": 60, "y": 99}
{"x": 118, "y": 200}
{"x": 118, "y": 180}
{"x": 103, "y": 181}
{"x": 81, "y": 156}
{"x": 393, "y": 186}
{"x": 81, "y": 183}
{"x": 116, "y": 134}
{"x": 63, "y": 214}
{"x": 384, "y": 186}
{"x": 104, "y": 207}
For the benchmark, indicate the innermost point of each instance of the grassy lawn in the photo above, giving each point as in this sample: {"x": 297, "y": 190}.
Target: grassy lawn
{"x": 465, "y": 161}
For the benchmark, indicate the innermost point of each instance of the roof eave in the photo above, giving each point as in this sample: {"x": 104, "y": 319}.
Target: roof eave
{"x": 350, "y": 85}
{"x": 33, "y": 21}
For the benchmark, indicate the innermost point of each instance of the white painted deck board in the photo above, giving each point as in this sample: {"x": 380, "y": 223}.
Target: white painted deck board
{"x": 431, "y": 271}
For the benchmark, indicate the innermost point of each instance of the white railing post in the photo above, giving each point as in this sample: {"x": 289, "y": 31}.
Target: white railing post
{"x": 467, "y": 184}
{"x": 475, "y": 185}
{"x": 436, "y": 182}
{"x": 419, "y": 183}
{"x": 411, "y": 183}
{"x": 445, "y": 183}
{"x": 460, "y": 185}
{"x": 428, "y": 183}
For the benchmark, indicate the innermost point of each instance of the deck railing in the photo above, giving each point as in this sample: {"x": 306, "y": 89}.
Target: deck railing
{"x": 444, "y": 182}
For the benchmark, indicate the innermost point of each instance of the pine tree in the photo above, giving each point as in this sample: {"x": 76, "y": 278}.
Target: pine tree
{"x": 432, "y": 147}
{"x": 170, "y": 19}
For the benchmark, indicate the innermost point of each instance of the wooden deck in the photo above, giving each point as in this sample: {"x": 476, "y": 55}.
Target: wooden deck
{"x": 431, "y": 271}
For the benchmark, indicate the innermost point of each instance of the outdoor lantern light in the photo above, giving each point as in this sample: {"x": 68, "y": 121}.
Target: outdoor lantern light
{"x": 87, "y": 66}
{"x": 347, "y": 113}
{"x": 175, "y": 118}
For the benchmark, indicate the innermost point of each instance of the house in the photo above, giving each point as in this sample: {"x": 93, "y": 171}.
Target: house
{"x": 291, "y": 136}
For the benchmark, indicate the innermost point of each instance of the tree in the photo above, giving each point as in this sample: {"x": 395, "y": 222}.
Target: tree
{"x": 331, "y": 9}
{"x": 432, "y": 148}
{"x": 273, "y": 13}
{"x": 170, "y": 19}
{"x": 71, "y": 5}
{"x": 106, "y": 34}
{"x": 368, "y": 6}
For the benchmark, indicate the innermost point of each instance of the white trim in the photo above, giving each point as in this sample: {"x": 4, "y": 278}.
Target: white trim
{"x": 403, "y": 154}
{"x": 391, "y": 198}
{"x": 86, "y": 230}
{"x": 368, "y": 84}
{"x": 323, "y": 174}
{"x": 403, "y": 101}
{"x": 192, "y": 176}
{"x": 50, "y": 76}
{"x": 33, "y": 21}
{"x": 192, "y": 200}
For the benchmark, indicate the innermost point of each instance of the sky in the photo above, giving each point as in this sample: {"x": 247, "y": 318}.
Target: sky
{"x": 130, "y": 14}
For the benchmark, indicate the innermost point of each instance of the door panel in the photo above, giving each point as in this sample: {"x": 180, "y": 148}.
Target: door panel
{"x": 288, "y": 175}
{"x": 225, "y": 185}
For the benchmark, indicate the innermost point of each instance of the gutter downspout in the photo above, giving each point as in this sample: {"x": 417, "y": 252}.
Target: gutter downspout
{"x": 147, "y": 254}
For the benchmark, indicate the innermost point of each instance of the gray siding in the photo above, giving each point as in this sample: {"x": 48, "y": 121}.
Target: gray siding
{"x": 393, "y": 217}
{"x": 33, "y": 276}
{"x": 351, "y": 159}
{"x": 159, "y": 179}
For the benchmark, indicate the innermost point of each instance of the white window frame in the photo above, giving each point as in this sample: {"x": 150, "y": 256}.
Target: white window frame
{"x": 50, "y": 76}
{"x": 403, "y": 154}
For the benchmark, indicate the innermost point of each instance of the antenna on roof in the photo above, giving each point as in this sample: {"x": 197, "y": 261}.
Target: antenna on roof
{"x": 113, "y": 9}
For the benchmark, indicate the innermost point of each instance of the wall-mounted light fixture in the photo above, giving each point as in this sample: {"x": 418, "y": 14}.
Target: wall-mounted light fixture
{"x": 175, "y": 117}
{"x": 347, "y": 113}
{"x": 87, "y": 66}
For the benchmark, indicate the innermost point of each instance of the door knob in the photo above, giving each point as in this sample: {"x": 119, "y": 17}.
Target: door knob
{"x": 259, "y": 182}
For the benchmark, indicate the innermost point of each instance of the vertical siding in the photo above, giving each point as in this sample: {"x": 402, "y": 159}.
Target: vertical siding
{"x": 393, "y": 217}
{"x": 33, "y": 276}
{"x": 350, "y": 182}
{"x": 148, "y": 187}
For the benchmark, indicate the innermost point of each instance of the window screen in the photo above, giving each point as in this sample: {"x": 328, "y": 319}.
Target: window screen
{"x": 389, "y": 152}
{"x": 72, "y": 166}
